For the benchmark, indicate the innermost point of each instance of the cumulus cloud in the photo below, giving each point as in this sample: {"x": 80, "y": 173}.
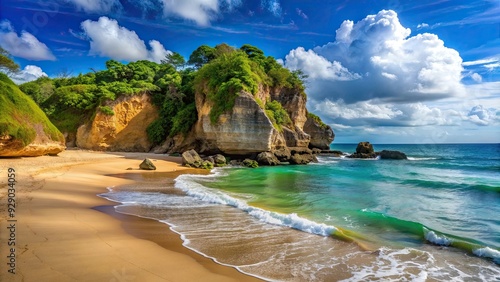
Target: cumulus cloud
{"x": 483, "y": 116}
{"x": 376, "y": 58}
{"x": 108, "y": 39}
{"x": 96, "y": 6}
{"x": 374, "y": 114}
{"x": 199, "y": 11}
{"x": 272, "y": 6}
{"x": 29, "y": 73}
{"x": 25, "y": 46}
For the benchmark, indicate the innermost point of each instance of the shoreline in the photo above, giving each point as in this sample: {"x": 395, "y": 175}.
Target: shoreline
{"x": 72, "y": 234}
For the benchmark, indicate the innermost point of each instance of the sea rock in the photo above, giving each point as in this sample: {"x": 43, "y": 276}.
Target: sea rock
{"x": 25, "y": 130}
{"x": 191, "y": 159}
{"x": 364, "y": 148}
{"x": 250, "y": 163}
{"x": 302, "y": 158}
{"x": 267, "y": 158}
{"x": 207, "y": 165}
{"x": 321, "y": 134}
{"x": 393, "y": 155}
{"x": 147, "y": 164}
{"x": 125, "y": 130}
{"x": 219, "y": 160}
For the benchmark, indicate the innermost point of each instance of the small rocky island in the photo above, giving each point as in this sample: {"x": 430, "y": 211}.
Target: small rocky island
{"x": 365, "y": 150}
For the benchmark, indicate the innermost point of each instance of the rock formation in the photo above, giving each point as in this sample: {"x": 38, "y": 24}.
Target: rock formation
{"x": 125, "y": 130}
{"x": 321, "y": 134}
{"x": 392, "y": 155}
{"x": 246, "y": 130}
{"x": 25, "y": 131}
{"x": 364, "y": 150}
{"x": 147, "y": 164}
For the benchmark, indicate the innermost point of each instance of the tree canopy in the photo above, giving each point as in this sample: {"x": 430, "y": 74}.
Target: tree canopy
{"x": 6, "y": 62}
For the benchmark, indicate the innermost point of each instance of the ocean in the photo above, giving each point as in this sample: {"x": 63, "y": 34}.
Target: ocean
{"x": 433, "y": 217}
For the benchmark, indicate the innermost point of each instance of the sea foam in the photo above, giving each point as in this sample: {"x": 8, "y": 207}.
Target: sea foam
{"x": 432, "y": 237}
{"x": 488, "y": 252}
{"x": 198, "y": 191}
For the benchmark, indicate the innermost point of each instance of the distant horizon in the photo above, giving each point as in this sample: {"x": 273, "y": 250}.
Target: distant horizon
{"x": 387, "y": 71}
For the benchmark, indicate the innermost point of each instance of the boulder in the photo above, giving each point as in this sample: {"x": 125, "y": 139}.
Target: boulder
{"x": 267, "y": 158}
{"x": 302, "y": 158}
{"x": 147, "y": 164}
{"x": 250, "y": 163}
{"x": 219, "y": 160}
{"x": 191, "y": 159}
{"x": 364, "y": 148}
{"x": 207, "y": 165}
{"x": 392, "y": 155}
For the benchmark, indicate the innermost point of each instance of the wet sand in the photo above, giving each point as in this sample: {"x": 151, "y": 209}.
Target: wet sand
{"x": 64, "y": 232}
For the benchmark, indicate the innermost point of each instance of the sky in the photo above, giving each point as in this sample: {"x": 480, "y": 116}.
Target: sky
{"x": 381, "y": 71}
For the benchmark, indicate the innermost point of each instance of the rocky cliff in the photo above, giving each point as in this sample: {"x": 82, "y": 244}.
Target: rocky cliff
{"x": 121, "y": 126}
{"x": 247, "y": 130}
{"x": 25, "y": 131}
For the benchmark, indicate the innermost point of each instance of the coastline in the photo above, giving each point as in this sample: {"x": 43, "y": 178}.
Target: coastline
{"x": 64, "y": 231}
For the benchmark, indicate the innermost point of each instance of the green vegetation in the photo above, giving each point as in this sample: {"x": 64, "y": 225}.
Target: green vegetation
{"x": 6, "y": 62}
{"x": 250, "y": 163}
{"x": 318, "y": 120}
{"x": 277, "y": 115}
{"x": 20, "y": 115}
{"x": 219, "y": 73}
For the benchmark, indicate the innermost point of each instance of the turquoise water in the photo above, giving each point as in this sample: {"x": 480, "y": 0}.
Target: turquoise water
{"x": 434, "y": 217}
{"x": 452, "y": 191}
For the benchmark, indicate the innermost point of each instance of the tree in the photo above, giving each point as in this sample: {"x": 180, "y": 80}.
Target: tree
{"x": 175, "y": 59}
{"x": 253, "y": 53}
{"x": 6, "y": 62}
{"x": 201, "y": 56}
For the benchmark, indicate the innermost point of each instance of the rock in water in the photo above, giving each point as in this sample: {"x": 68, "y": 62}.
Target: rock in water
{"x": 147, "y": 164}
{"x": 267, "y": 158}
{"x": 191, "y": 159}
{"x": 364, "y": 148}
{"x": 250, "y": 163}
{"x": 393, "y": 155}
{"x": 219, "y": 160}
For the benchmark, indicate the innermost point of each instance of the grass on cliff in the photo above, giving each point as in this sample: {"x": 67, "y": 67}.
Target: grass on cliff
{"x": 19, "y": 113}
{"x": 318, "y": 120}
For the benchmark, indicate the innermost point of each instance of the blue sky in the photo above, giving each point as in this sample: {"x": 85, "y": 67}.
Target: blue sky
{"x": 384, "y": 71}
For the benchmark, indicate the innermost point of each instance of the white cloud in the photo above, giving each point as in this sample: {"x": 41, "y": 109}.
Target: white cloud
{"x": 376, "y": 59}
{"x": 272, "y": 6}
{"x": 25, "y": 46}
{"x": 199, "y": 11}
{"x": 422, "y": 25}
{"x": 374, "y": 113}
{"x": 477, "y": 77}
{"x": 108, "y": 39}
{"x": 96, "y": 6}
{"x": 29, "y": 73}
{"x": 483, "y": 116}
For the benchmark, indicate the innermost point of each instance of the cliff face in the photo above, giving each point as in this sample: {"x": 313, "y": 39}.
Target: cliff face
{"x": 247, "y": 130}
{"x": 125, "y": 130}
{"x": 25, "y": 131}
{"x": 321, "y": 134}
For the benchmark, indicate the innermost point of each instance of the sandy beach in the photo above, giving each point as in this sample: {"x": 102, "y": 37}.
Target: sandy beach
{"x": 63, "y": 232}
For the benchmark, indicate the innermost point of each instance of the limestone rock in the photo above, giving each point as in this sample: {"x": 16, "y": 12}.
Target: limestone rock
{"x": 243, "y": 131}
{"x": 219, "y": 160}
{"x": 192, "y": 159}
{"x": 123, "y": 131}
{"x": 267, "y": 158}
{"x": 393, "y": 155}
{"x": 250, "y": 163}
{"x": 364, "y": 148}
{"x": 321, "y": 135}
{"x": 302, "y": 158}
{"x": 147, "y": 164}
